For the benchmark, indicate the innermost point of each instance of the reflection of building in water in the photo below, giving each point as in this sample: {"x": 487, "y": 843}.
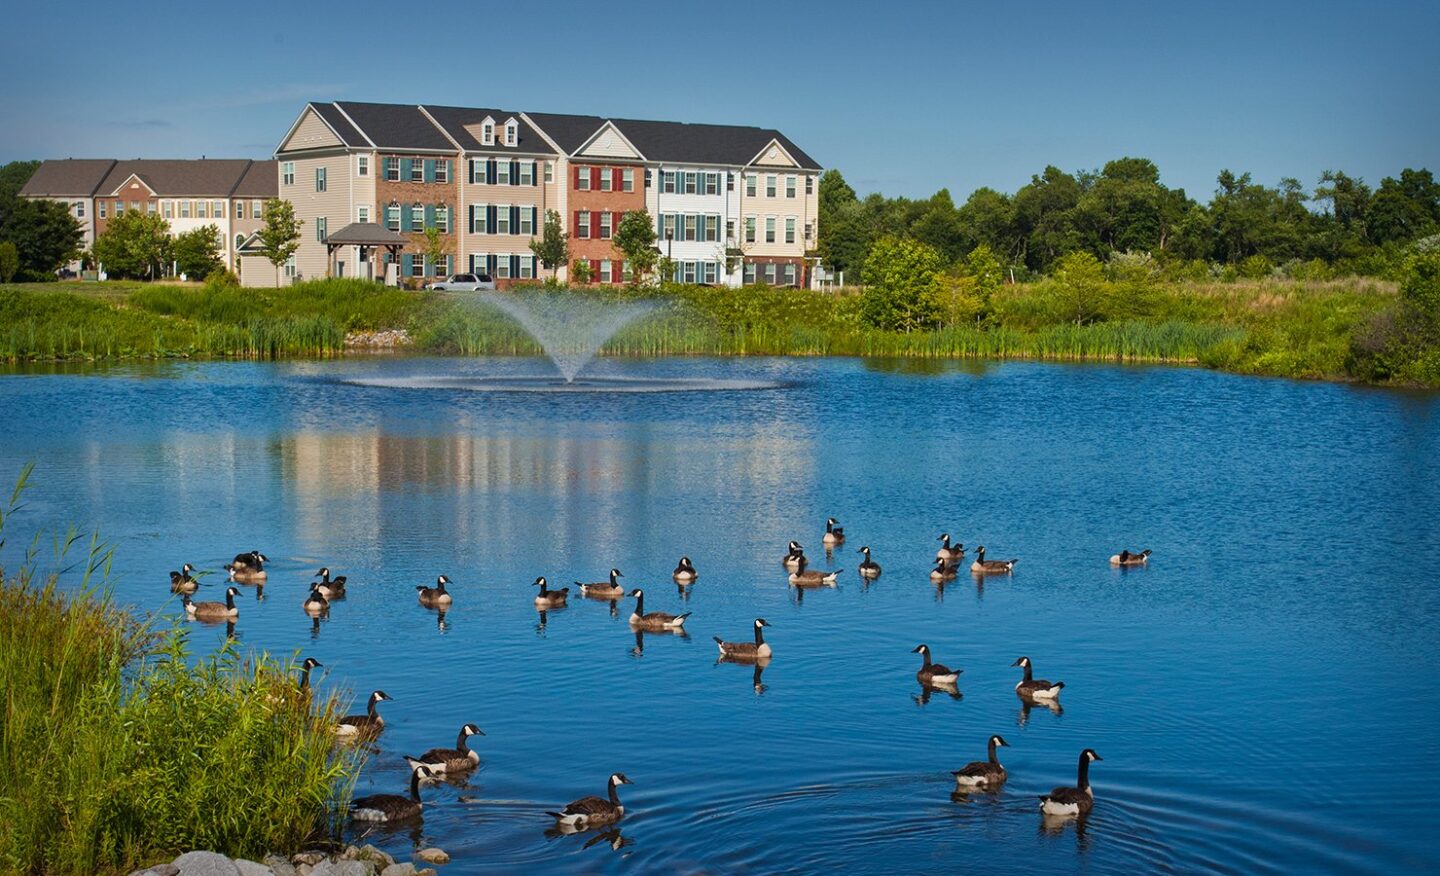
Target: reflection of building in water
{"x": 596, "y": 482}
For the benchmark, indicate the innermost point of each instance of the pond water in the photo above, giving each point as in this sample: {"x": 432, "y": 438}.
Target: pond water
{"x": 1260, "y": 693}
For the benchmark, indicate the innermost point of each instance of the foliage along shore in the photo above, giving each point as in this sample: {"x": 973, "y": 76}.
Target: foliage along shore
{"x": 1332, "y": 329}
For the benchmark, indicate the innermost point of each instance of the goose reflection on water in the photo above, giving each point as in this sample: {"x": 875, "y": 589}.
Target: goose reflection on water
{"x": 756, "y": 676}
{"x": 610, "y": 836}
{"x": 1026, "y": 705}
{"x": 950, "y": 689}
{"x": 1053, "y": 827}
{"x": 639, "y": 649}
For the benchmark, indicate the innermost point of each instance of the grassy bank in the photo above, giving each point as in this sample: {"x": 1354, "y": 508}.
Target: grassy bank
{"x": 1278, "y": 327}
{"x": 119, "y": 750}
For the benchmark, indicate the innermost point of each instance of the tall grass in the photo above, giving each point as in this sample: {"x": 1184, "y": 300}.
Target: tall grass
{"x": 120, "y": 750}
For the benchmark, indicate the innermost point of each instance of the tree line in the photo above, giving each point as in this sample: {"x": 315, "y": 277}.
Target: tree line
{"x": 1341, "y": 226}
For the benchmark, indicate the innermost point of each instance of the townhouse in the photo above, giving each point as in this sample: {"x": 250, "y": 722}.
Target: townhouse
{"x": 730, "y": 204}
{"x": 189, "y": 194}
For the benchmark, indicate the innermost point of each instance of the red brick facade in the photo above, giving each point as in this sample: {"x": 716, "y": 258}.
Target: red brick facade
{"x": 594, "y": 202}
{"x": 407, "y": 194}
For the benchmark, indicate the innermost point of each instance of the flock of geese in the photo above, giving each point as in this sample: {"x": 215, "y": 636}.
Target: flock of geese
{"x": 593, "y": 811}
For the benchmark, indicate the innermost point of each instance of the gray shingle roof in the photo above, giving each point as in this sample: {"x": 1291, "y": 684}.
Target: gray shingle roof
{"x": 396, "y": 126}
{"x": 366, "y": 234}
{"x": 340, "y": 124}
{"x": 454, "y": 119}
{"x": 67, "y": 177}
{"x": 705, "y": 144}
{"x": 261, "y": 180}
{"x": 211, "y": 177}
{"x": 568, "y": 131}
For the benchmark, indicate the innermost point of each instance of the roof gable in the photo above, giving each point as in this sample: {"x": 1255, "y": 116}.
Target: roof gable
{"x": 608, "y": 142}
{"x": 311, "y": 131}
{"x": 208, "y": 177}
{"x": 774, "y": 155}
{"x": 134, "y": 180}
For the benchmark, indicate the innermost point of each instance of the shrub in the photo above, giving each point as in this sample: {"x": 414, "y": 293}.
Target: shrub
{"x": 899, "y": 277}
{"x": 9, "y": 261}
{"x": 1079, "y": 287}
{"x": 1256, "y": 267}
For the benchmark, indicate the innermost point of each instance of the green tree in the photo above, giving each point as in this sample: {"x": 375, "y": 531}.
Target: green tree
{"x": 9, "y": 261}
{"x": 1044, "y": 217}
{"x": 989, "y": 274}
{"x": 938, "y": 225}
{"x": 436, "y": 247}
{"x": 635, "y": 238}
{"x": 197, "y": 253}
{"x": 580, "y": 272}
{"x": 135, "y": 244}
{"x": 900, "y": 284}
{"x": 988, "y": 217}
{"x": 45, "y": 235}
{"x": 553, "y": 247}
{"x": 1405, "y": 209}
{"x": 279, "y": 237}
{"x": 844, "y": 233}
{"x": 1079, "y": 287}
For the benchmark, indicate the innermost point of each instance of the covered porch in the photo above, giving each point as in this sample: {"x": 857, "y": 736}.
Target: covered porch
{"x": 364, "y": 250}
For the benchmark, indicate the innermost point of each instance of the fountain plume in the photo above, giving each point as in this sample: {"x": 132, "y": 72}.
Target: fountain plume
{"x": 570, "y": 327}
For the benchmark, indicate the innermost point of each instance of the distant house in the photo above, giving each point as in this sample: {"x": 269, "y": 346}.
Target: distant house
{"x": 229, "y": 193}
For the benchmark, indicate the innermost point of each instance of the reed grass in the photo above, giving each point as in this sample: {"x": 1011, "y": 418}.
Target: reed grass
{"x": 120, "y": 750}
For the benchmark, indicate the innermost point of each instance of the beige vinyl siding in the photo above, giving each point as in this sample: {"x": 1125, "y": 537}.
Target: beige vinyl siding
{"x": 333, "y": 204}
{"x": 803, "y": 208}
{"x": 311, "y": 133}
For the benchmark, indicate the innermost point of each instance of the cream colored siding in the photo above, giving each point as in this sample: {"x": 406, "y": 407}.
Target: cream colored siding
{"x": 802, "y": 208}
{"x": 364, "y": 192}
{"x": 311, "y": 133}
{"x": 333, "y": 204}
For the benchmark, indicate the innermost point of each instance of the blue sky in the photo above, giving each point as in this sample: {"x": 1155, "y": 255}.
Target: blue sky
{"x": 903, "y": 97}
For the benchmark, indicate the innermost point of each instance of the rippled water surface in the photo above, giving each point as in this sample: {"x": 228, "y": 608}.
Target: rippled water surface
{"x": 1262, "y": 694}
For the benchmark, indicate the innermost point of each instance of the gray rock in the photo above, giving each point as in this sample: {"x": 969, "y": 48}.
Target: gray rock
{"x": 303, "y": 870}
{"x": 433, "y": 855}
{"x": 205, "y": 864}
{"x": 250, "y": 868}
{"x": 158, "y": 870}
{"x": 280, "y": 866}
{"x": 344, "y": 868}
{"x": 406, "y": 869}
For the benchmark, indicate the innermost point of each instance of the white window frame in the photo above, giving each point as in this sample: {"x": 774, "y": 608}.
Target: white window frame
{"x": 442, "y": 218}
{"x": 790, "y": 186}
{"x": 752, "y": 181}
{"x": 362, "y": 165}
{"x": 417, "y": 217}
{"x": 512, "y": 133}
{"x": 527, "y": 220}
{"x": 442, "y": 170}
{"x": 287, "y": 173}
{"x": 502, "y": 267}
{"x": 167, "y": 209}
{"x": 582, "y": 178}
{"x": 750, "y": 224}
{"x": 789, "y": 229}
{"x": 607, "y": 179}
{"x": 769, "y": 229}
{"x": 527, "y": 173}
{"x": 417, "y": 171}
{"x": 607, "y": 271}
{"x": 772, "y": 183}
{"x": 582, "y": 225}
{"x": 627, "y": 179}
{"x": 79, "y": 209}
{"x": 549, "y": 171}
{"x": 607, "y": 225}
{"x": 712, "y": 183}
{"x": 257, "y": 209}
{"x": 362, "y": 213}
{"x": 392, "y": 168}
{"x": 502, "y": 218}
{"x": 692, "y": 185}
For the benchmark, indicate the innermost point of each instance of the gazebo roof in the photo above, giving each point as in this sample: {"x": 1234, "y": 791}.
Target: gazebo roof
{"x": 366, "y": 234}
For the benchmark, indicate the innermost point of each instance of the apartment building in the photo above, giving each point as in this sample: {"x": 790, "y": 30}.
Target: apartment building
{"x": 483, "y": 179}
{"x": 189, "y": 194}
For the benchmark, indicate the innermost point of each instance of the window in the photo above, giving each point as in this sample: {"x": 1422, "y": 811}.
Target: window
{"x": 239, "y": 239}
{"x": 150, "y": 207}
{"x": 690, "y": 183}
{"x": 527, "y": 267}
{"x": 79, "y": 209}
{"x": 749, "y": 229}
{"x": 362, "y": 165}
{"x": 417, "y": 266}
{"x": 527, "y": 220}
{"x": 442, "y": 267}
{"x": 770, "y": 185}
{"x": 549, "y": 171}
{"x": 135, "y": 206}
{"x": 667, "y": 182}
{"x": 712, "y": 228}
{"x": 502, "y": 268}
{"x": 627, "y": 272}
{"x": 770, "y": 273}
{"x": 647, "y": 178}
{"x": 202, "y": 209}
{"x": 690, "y": 227}
{"x": 502, "y": 219}
{"x": 478, "y": 263}
{"x": 582, "y": 178}
{"x": 527, "y": 173}
{"x": 321, "y": 228}
{"x": 789, "y": 229}
{"x": 217, "y": 209}
{"x": 750, "y": 179}
{"x": 607, "y": 179}
{"x": 168, "y": 210}
{"x": 442, "y": 218}
{"x": 712, "y": 272}
{"x": 287, "y": 173}
{"x": 257, "y": 209}
{"x": 239, "y": 209}
{"x": 392, "y": 217}
{"x": 290, "y": 270}
{"x": 809, "y": 231}
{"x": 511, "y": 133}
{"x": 689, "y": 272}
{"x": 119, "y": 207}
{"x": 627, "y": 179}
{"x": 667, "y": 226}
{"x": 606, "y": 219}
{"x": 319, "y": 179}
{"x": 582, "y": 224}
{"x": 100, "y": 206}
{"x": 362, "y": 213}
{"x": 789, "y": 275}
{"x": 487, "y": 134}
{"x": 712, "y": 183}
{"x": 442, "y": 170}
{"x": 184, "y": 209}
{"x": 769, "y": 229}
{"x": 417, "y": 170}
{"x": 392, "y": 169}
{"x": 729, "y": 230}
{"x": 730, "y": 181}
{"x": 606, "y": 273}
{"x": 417, "y": 217}
{"x": 502, "y": 173}
{"x": 749, "y": 274}
{"x": 789, "y": 186}
{"x": 809, "y": 185}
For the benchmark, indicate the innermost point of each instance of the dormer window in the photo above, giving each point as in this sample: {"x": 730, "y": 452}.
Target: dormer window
{"x": 512, "y": 132}
{"x": 487, "y": 132}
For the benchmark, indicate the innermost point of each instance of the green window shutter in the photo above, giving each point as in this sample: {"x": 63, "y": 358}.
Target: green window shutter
{"x": 429, "y": 215}
{"x": 405, "y": 217}
{"x": 429, "y": 170}
{"x": 407, "y": 264}
{"x": 405, "y": 169}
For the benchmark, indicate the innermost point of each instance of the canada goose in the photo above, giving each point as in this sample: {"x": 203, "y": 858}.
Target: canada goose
{"x": 392, "y": 807}
{"x": 986, "y": 567}
{"x": 213, "y": 611}
{"x": 316, "y": 603}
{"x": 758, "y": 650}
{"x": 1037, "y": 688}
{"x": 794, "y": 557}
{"x": 612, "y": 590}
{"x": 328, "y": 588}
{"x": 934, "y": 673}
{"x": 685, "y": 572}
{"x": 309, "y": 664}
{"x": 869, "y": 569}
{"x": 1076, "y": 800}
{"x": 982, "y": 774}
{"x": 1125, "y": 558}
{"x": 451, "y": 760}
{"x": 368, "y": 724}
{"x": 943, "y": 571}
{"x": 947, "y": 552}
{"x": 594, "y": 811}
{"x": 834, "y": 535}
{"x": 248, "y": 568}
{"x": 655, "y": 620}
{"x": 548, "y": 598}
{"x": 433, "y": 596}
{"x": 801, "y": 577}
{"x": 184, "y": 581}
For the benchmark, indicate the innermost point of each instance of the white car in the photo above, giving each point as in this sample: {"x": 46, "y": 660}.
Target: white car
{"x": 463, "y": 283}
